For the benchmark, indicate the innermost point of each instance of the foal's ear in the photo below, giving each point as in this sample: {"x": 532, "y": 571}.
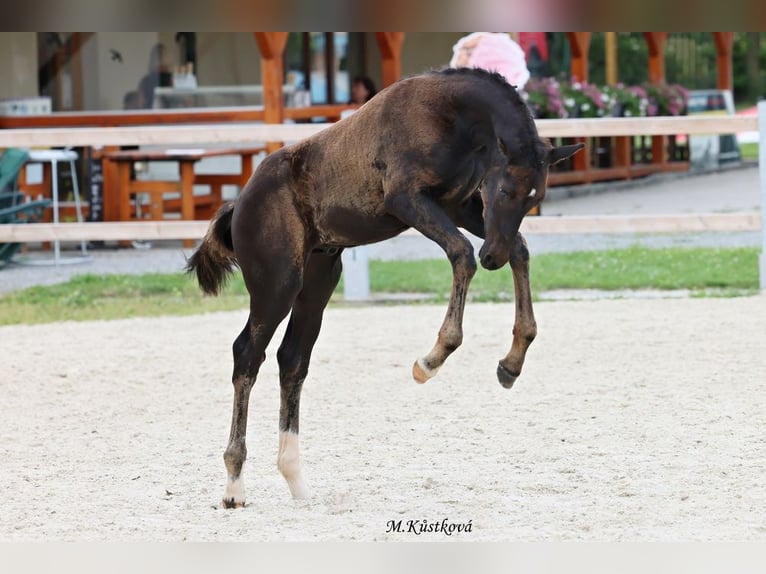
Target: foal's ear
{"x": 563, "y": 152}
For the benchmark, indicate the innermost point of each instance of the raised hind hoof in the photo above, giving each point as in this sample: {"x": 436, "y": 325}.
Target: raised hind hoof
{"x": 506, "y": 377}
{"x": 421, "y": 373}
{"x": 231, "y": 503}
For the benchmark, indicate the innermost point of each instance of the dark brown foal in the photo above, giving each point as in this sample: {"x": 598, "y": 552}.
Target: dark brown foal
{"x": 435, "y": 152}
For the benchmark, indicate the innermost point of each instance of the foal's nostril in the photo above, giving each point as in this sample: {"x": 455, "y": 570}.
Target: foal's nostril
{"x": 487, "y": 260}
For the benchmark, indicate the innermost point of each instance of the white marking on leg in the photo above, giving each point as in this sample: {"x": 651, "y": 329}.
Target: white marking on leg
{"x": 422, "y": 373}
{"x": 235, "y": 490}
{"x": 289, "y": 464}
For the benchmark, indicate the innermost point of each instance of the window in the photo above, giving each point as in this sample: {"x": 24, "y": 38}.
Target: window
{"x": 320, "y": 62}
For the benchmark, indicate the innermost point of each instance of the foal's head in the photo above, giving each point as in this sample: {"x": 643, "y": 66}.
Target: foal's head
{"x": 514, "y": 184}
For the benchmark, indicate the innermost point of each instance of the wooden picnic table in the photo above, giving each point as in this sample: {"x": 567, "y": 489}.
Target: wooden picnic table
{"x": 123, "y": 193}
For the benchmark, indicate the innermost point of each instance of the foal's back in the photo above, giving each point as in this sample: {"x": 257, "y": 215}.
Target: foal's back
{"x": 423, "y": 131}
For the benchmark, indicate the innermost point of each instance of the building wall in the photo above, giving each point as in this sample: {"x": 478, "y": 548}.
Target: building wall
{"x": 106, "y": 81}
{"x": 18, "y": 64}
{"x": 421, "y": 51}
{"x": 425, "y": 50}
{"x": 222, "y": 59}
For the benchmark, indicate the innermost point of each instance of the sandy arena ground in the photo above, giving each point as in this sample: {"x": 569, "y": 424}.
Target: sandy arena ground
{"x": 634, "y": 420}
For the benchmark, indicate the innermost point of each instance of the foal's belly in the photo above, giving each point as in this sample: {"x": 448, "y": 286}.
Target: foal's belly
{"x": 340, "y": 227}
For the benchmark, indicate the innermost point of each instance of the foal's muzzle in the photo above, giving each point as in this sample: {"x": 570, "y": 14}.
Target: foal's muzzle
{"x": 489, "y": 260}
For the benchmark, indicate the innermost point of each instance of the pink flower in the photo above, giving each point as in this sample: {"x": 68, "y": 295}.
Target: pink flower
{"x": 493, "y": 51}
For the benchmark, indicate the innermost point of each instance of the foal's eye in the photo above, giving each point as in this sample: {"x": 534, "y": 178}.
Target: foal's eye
{"x": 503, "y": 191}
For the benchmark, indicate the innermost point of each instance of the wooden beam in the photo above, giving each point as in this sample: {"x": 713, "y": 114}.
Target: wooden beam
{"x": 169, "y": 229}
{"x": 61, "y": 57}
{"x": 272, "y": 48}
{"x": 250, "y": 133}
{"x": 135, "y": 118}
{"x": 173, "y": 135}
{"x": 579, "y": 43}
{"x": 656, "y": 43}
{"x": 271, "y": 45}
{"x": 724, "y": 42}
{"x": 390, "y": 44}
{"x": 103, "y": 231}
{"x": 77, "y": 81}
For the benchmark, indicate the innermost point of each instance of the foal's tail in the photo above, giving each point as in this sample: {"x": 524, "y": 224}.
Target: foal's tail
{"x": 214, "y": 260}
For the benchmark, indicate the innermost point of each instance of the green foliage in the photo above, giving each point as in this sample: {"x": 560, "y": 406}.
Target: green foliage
{"x": 89, "y": 296}
{"x": 749, "y": 151}
{"x": 554, "y": 98}
{"x": 632, "y": 58}
{"x": 749, "y": 66}
{"x": 690, "y": 60}
{"x": 640, "y": 268}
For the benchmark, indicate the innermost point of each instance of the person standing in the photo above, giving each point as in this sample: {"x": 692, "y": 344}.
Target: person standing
{"x": 158, "y": 75}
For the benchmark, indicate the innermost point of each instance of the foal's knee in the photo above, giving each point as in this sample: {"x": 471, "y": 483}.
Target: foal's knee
{"x": 519, "y": 251}
{"x": 464, "y": 261}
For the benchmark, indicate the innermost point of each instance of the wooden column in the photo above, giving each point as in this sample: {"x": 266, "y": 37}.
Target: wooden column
{"x": 272, "y": 48}
{"x": 390, "y": 44}
{"x": 656, "y": 43}
{"x": 579, "y": 43}
{"x": 724, "y": 41}
{"x": 619, "y": 146}
{"x": 611, "y": 58}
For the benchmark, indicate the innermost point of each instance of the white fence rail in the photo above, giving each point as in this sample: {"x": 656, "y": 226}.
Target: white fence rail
{"x": 258, "y": 132}
{"x": 250, "y": 133}
{"x": 762, "y": 167}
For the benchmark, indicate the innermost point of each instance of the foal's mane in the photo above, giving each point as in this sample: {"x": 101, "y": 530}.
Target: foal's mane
{"x": 535, "y": 146}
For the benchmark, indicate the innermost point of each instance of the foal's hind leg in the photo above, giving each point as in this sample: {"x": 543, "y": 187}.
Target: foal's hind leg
{"x": 320, "y": 278}
{"x": 267, "y": 309}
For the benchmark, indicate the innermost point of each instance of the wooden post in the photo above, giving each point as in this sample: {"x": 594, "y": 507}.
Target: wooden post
{"x": 724, "y": 41}
{"x": 579, "y": 43}
{"x": 390, "y": 44}
{"x": 611, "y": 58}
{"x": 272, "y": 48}
{"x": 619, "y": 147}
{"x": 656, "y": 43}
{"x": 762, "y": 173}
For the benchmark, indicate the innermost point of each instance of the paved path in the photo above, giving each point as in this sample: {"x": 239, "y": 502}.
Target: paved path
{"x": 721, "y": 192}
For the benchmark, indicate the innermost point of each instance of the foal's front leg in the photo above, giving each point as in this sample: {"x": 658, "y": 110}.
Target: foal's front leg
{"x": 424, "y": 214}
{"x": 524, "y": 327}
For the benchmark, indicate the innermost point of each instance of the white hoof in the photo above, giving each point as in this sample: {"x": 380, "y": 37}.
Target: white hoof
{"x": 421, "y": 373}
{"x": 234, "y": 494}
